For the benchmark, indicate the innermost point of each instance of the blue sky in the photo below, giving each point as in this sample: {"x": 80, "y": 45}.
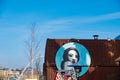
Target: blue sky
{"x": 55, "y": 19}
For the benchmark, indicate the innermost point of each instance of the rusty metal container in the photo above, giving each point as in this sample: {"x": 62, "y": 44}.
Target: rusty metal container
{"x": 103, "y": 54}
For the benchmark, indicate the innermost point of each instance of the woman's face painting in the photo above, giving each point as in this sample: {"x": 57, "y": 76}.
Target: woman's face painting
{"x": 73, "y": 56}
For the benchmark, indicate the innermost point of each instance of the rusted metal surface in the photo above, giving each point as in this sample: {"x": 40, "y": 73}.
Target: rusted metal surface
{"x": 103, "y": 55}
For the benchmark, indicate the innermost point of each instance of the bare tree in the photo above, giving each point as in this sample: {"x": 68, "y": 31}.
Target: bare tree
{"x": 33, "y": 44}
{"x": 38, "y": 66}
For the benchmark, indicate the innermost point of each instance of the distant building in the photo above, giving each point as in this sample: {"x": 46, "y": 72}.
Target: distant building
{"x": 7, "y": 74}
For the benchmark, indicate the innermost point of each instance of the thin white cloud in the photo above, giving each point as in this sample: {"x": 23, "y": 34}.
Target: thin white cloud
{"x": 49, "y": 28}
{"x": 100, "y": 18}
{"x": 84, "y": 20}
{"x": 61, "y": 25}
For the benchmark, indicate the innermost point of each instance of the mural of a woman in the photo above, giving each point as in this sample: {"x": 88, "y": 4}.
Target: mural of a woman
{"x": 72, "y": 53}
{"x": 70, "y": 56}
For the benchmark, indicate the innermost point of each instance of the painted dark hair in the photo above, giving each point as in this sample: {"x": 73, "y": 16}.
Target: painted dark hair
{"x": 65, "y": 55}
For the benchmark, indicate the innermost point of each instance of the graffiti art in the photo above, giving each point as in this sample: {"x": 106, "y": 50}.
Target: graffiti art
{"x": 73, "y": 53}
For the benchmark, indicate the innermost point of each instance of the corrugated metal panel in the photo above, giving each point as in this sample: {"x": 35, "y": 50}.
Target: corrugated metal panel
{"x": 103, "y": 54}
